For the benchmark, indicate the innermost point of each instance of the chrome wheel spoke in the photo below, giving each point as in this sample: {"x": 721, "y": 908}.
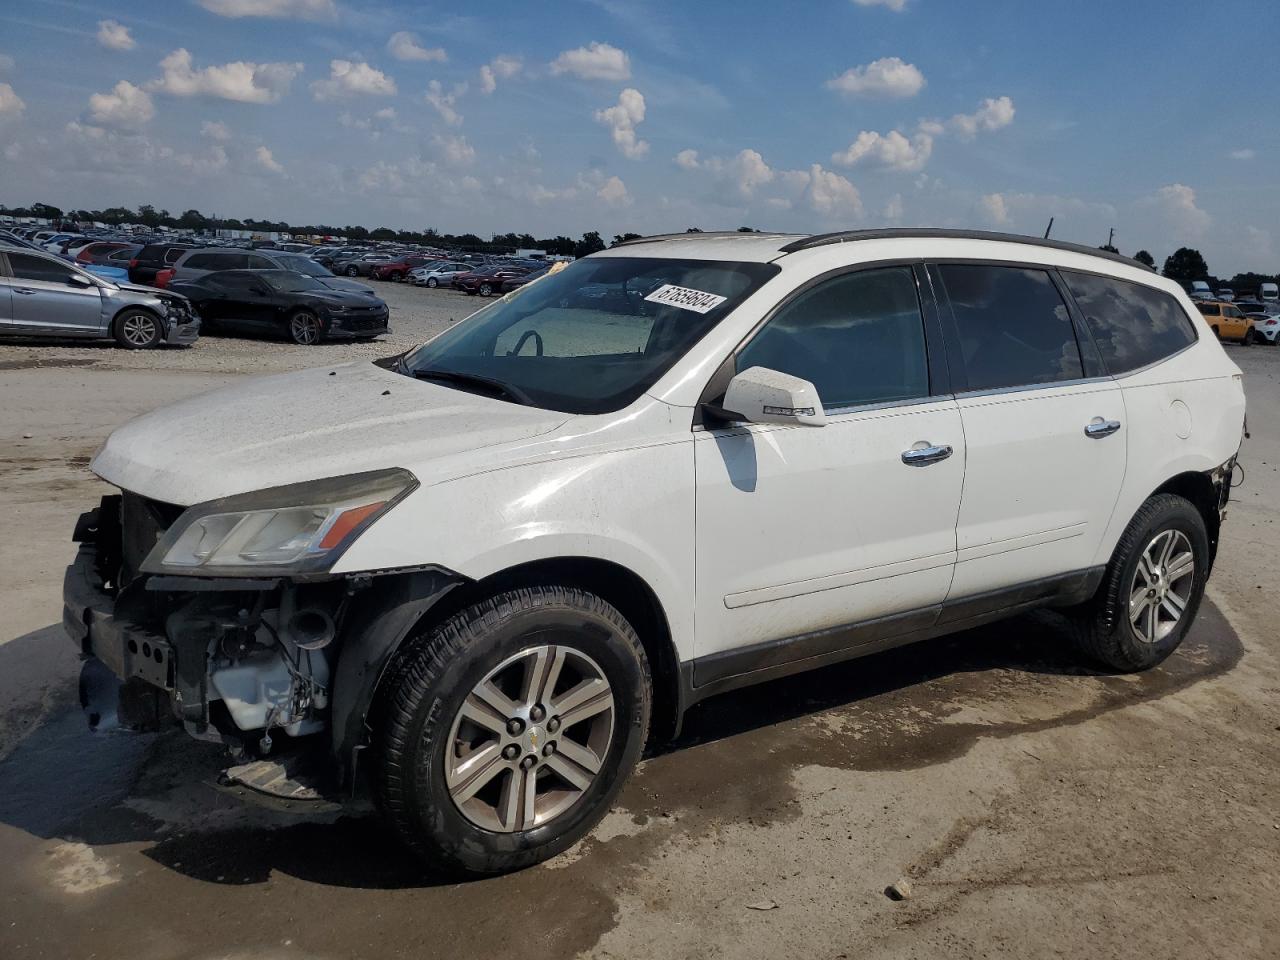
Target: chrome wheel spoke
{"x": 579, "y": 755}
{"x": 573, "y": 774}
{"x": 1138, "y": 603}
{"x": 497, "y": 701}
{"x": 541, "y": 675}
{"x": 483, "y": 715}
{"x": 1181, "y": 565}
{"x": 472, "y": 772}
{"x": 1173, "y": 605}
{"x": 583, "y": 701}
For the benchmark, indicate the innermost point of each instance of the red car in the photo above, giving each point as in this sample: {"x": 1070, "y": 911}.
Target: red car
{"x": 399, "y": 268}
{"x": 488, "y": 280}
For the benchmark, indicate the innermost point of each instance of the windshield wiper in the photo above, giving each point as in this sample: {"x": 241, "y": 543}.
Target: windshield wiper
{"x": 465, "y": 380}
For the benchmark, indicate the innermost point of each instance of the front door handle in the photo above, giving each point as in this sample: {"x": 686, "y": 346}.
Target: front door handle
{"x": 1099, "y": 428}
{"x": 923, "y": 456}
{"x": 25, "y": 291}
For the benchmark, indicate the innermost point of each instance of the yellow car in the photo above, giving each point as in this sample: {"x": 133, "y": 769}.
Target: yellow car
{"x": 1227, "y": 321}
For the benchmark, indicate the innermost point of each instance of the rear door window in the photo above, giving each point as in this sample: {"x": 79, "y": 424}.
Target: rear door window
{"x": 1132, "y": 324}
{"x": 1013, "y": 326}
{"x": 26, "y": 267}
{"x": 858, "y": 338}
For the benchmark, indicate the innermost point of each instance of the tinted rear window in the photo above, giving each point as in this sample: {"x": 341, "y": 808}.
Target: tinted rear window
{"x": 1133, "y": 325}
{"x": 1013, "y": 326}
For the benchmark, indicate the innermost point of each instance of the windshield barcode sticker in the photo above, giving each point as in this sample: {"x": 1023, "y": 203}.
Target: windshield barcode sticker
{"x": 686, "y": 299}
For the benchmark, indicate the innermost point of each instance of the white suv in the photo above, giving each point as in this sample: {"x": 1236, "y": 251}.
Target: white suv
{"x": 490, "y": 569}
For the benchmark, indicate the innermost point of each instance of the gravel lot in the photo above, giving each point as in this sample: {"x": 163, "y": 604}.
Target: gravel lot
{"x": 417, "y": 314}
{"x": 1037, "y": 808}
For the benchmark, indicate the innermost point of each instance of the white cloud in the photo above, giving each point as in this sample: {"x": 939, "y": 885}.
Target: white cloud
{"x": 215, "y": 130}
{"x": 1246, "y": 154}
{"x": 126, "y": 107}
{"x": 597, "y": 61}
{"x": 1177, "y": 204}
{"x": 614, "y": 192}
{"x": 291, "y": 9}
{"x": 241, "y": 81}
{"x": 500, "y": 67}
{"x": 888, "y": 77}
{"x": 992, "y": 114}
{"x": 455, "y": 150}
{"x": 832, "y": 195}
{"x": 893, "y": 208}
{"x": 444, "y": 102}
{"x": 749, "y": 171}
{"x": 897, "y": 6}
{"x": 622, "y": 119}
{"x": 687, "y": 159}
{"x": 267, "y": 161}
{"x": 994, "y": 209}
{"x": 6, "y": 64}
{"x": 405, "y": 46}
{"x": 10, "y": 103}
{"x": 892, "y": 150}
{"x": 349, "y": 79}
{"x": 114, "y": 35}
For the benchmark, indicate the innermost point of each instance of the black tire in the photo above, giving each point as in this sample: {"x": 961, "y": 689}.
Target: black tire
{"x": 1249, "y": 337}
{"x": 352, "y": 272}
{"x": 426, "y": 687}
{"x": 137, "y": 329}
{"x": 1102, "y": 627}
{"x": 432, "y": 282}
{"x": 395, "y": 276}
{"x": 486, "y": 290}
{"x": 305, "y": 328}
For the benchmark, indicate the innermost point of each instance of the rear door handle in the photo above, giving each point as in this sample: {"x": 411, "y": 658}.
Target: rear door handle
{"x": 1099, "y": 428}
{"x": 923, "y": 456}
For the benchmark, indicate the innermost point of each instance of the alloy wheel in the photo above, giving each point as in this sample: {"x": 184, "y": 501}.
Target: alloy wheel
{"x": 138, "y": 329}
{"x": 529, "y": 739}
{"x": 1161, "y": 586}
{"x": 305, "y": 329}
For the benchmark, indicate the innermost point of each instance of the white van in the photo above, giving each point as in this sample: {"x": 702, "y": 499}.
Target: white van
{"x": 1268, "y": 292}
{"x": 479, "y": 576}
{"x": 1200, "y": 290}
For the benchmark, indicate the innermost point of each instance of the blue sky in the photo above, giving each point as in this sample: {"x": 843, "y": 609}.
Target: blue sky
{"x": 1157, "y": 118}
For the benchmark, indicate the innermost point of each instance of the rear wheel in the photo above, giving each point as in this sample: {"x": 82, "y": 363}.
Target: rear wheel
{"x": 395, "y": 275}
{"x": 432, "y": 282}
{"x": 352, "y": 272}
{"x": 1152, "y": 589}
{"x": 1249, "y": 337}
{"x": 504, "y": 734}
{"x": 137, "y": 329}
{"x": 304, "y": 328}
{"x": 486, "y": 290}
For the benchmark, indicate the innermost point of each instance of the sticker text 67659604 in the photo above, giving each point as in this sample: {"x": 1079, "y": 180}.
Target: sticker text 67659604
{"x": 686, "y": 298}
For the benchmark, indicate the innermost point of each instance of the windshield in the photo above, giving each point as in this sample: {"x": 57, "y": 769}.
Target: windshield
{"x": 292, "y": 282}
{"x": 593, "y": 337}
{"x": 303, "y": 265}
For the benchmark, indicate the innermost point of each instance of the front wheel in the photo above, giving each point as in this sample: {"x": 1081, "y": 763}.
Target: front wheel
{"x": 352, "y": 272}
{"x": 137, "y": 330}
{"x": 1152, "y": 589}
{"x": 504, "y": 734}
{"x": 304, "y": 328}
{"x": 432, "y": 282}
{"x": 486, "y": 290}
{"x": 1249, "y": 337}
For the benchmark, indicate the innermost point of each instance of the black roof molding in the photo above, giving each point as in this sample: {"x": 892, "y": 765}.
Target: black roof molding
{"x": 933, "y": 233}
{"x": 702, "y": 235}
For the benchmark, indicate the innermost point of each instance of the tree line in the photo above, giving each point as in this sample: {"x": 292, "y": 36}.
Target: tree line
{"x": 1184, "y": 264}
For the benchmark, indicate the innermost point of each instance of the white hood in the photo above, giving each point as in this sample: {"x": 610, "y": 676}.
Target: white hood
{"x": 307, "y": 425}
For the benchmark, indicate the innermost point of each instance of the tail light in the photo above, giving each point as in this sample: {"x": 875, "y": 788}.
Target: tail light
{"x": 163, "y": 277}
{"x": 133, "y": 263}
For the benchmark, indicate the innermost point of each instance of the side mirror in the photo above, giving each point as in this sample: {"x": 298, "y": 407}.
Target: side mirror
{"x": 77, "y": 280}
{"x": 761, "y": 395}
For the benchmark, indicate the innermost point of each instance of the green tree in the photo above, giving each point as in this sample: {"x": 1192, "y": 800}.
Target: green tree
{"x": 623, "y": 238}
{"x": 1143, "y": 257}
{"x": 1185, "y": 265}
{"x": 589, "y": 244}
{"x": 1109, "y": 248}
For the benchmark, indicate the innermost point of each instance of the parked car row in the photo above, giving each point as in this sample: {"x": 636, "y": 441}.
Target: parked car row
{"x": 1231, "y": 321}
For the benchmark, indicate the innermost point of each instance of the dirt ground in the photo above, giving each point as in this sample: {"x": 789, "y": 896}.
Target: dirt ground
{"x": 1038, "y": 809}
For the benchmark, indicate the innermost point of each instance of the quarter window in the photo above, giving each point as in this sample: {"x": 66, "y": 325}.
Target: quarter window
{"x": 1014, "y": 328}
{"x": 858, "y": 338}
{"x": 1133, "y": 325}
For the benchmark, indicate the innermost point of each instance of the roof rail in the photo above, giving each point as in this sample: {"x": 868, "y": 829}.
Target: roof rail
{"x": 933, "y": 233}
{"x": 700, "y": 234}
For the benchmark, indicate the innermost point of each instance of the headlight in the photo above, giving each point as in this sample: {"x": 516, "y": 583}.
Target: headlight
{"x": 335, "y": 307}
{"x": 297, "y": 529}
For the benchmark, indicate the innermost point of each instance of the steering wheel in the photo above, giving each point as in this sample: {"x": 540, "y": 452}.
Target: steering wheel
{"x": 524, "y": 338}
